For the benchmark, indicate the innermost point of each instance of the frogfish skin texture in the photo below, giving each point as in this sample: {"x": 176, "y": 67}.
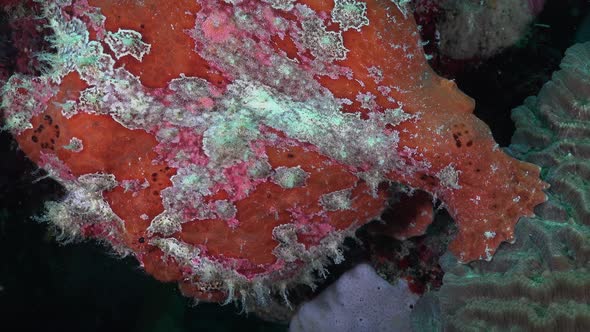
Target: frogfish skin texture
{"x": 231, "y": 145}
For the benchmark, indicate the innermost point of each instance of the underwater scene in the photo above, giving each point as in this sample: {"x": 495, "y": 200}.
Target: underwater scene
{"x": 295, "y": 165}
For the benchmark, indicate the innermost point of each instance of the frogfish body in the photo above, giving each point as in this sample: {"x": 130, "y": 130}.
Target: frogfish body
{"x": 232, "y": 145}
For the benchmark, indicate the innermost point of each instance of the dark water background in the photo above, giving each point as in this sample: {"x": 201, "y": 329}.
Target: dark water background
{"x": 45, "y": 286}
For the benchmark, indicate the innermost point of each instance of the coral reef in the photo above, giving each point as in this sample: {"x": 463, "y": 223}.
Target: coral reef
{"x": 542, "y": 281}
{"x": 230, "y": 146}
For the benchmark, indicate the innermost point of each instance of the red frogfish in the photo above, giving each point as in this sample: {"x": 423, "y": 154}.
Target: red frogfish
{"x": 231, "y": 146}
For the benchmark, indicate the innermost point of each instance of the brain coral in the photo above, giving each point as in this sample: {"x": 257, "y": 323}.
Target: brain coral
{"x": 231, "y": 145}
{"x": 542, "y": 281}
